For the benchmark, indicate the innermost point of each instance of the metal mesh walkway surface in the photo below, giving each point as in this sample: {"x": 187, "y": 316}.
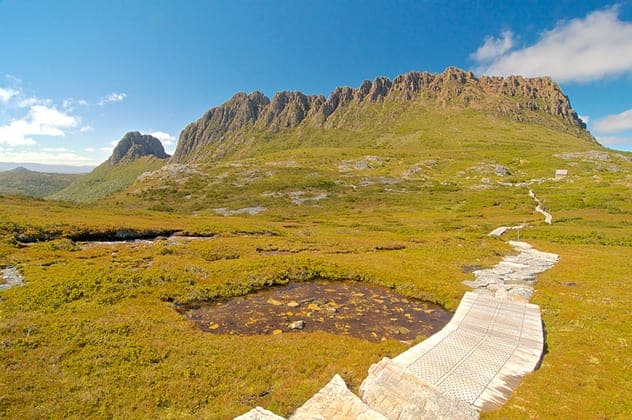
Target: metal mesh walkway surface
{"x": 482, "y": 353}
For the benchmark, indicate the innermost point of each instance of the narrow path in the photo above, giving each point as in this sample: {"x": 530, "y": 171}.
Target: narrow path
{"x": 548, "y": 218}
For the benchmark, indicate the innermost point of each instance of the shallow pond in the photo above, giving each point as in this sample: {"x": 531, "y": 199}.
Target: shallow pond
{"x": 348, "y": 308}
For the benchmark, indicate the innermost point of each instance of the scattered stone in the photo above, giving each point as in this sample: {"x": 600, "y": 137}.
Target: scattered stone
{"x": 259, "y": 413}
{"x": 293, "y": 304}
{"x": 297, "y": 325}
{"x": 277, "y": 332}
{"x": 335, "y": 401}
{"x": 274, "y": 302}
{"x": 501, "y": 170}
{"x": 246, "y": 210}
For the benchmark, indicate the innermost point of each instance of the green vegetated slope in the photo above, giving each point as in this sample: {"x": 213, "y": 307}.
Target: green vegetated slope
{"x": 399, "y": 194}
{"x": 37, "y": 184}
{"x": 106, "y": 179}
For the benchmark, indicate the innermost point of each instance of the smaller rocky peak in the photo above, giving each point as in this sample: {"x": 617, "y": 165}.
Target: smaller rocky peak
{"x": 135, "y": 145}
{"x": 457, "y": 75}
{"x": 288, "y": 109}
{"x": 379, "y": 89}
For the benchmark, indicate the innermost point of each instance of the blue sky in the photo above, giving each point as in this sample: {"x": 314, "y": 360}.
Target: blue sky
{"x": 76, "y": 75}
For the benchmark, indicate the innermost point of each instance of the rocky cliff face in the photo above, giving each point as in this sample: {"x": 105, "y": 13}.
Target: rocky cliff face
{"x": 134, "y": 145}
{"x": 512, "y": 96}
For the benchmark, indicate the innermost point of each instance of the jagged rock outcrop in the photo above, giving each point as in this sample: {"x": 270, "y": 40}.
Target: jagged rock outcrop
{"x": 134, "y": 145}
{"x": 513, "y": 96}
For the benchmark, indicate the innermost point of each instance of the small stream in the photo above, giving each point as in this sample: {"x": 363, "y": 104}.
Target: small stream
{"x": 11, "y": 277}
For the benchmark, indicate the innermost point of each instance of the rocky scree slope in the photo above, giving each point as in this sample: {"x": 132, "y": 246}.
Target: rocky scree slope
{"x": 538, "y": 100}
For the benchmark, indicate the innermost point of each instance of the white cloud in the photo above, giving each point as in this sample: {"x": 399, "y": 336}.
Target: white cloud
{"x": 614, "y": 123}
{"x": 56, "y": 158}
{"x": 89, "y": 149}
{"x": 591, "y": 48}
{"x": 112, "y": 97}
{"x": 69, "y": 103}
{"x": 584, "y": 118}
{"x": 614, "y": 141}
{"x": 41, "y": 120}
{"x": 494, "y": 47}
{"x": 86, "y": 129}
{"x": 166, "y": 138}
{"x": 55, "y": 149}
{"x": 29, "y": 102}
{"x": 6, "y": 94}
{"x": 114, "y": 142}
{"x": 105, "y": 149}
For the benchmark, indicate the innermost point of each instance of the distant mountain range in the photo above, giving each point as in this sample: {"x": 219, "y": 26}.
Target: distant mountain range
{"x": 416, "y": 114}
{"x": 41, "y": 167}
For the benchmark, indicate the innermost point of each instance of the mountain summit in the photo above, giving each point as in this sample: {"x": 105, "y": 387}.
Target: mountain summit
{"x": 538, "y": 100}
{"x": 134, "y": 145}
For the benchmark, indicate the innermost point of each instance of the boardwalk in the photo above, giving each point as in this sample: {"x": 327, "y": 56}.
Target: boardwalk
{"x": 494, "y": 338}
{"x": 481, "y": 354}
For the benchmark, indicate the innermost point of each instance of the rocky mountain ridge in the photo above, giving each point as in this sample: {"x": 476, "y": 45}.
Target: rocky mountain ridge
{"x": 513, "y": 96}
{"x": 134, "y": 145}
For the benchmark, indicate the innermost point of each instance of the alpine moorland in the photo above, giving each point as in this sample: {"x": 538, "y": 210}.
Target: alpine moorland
{"x": 394, "y": 183}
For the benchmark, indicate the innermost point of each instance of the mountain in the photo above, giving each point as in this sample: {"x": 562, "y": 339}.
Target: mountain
{"x": 248, "y": 119}
{"x": 37, "y": 184}
{"x": 134, "y": 154}
{"x": 135, "y": 145}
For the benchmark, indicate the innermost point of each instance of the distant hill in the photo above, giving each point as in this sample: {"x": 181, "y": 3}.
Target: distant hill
{"x": 134, "y": 154}
{"x": 48, "y": 168}
{"x": 37, "y": 184}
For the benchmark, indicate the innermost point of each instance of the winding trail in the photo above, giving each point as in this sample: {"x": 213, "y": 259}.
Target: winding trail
{"x": 548, "y": 218}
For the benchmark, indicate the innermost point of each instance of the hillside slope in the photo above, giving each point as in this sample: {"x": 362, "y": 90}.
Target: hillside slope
{"x": 134, "y": 154}
{"x": 37, "y": 184}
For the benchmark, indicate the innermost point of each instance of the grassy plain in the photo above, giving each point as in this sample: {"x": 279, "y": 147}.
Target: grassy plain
{"x": 94, "y": 332}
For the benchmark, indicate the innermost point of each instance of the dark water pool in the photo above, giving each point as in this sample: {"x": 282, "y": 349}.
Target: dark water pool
{"x": 348, "y": 308}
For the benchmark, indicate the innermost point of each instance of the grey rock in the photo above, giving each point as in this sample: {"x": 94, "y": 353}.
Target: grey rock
{"x": 297, "y": 325}
{"x": 134, "y": 145}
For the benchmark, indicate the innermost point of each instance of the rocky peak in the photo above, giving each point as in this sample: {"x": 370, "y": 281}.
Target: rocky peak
{"x": 134, "y": 145}
{"x": 512, "y": 96}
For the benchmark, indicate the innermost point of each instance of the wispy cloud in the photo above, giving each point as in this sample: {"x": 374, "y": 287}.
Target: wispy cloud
{"x": 614, "y": 123}
{"x": 494, "y": 47}
{"x": 86, "y": 129}
{"x": 614, "y": 141}
{"x": 584, "y": 118}
{"x": 112, "y": 97}
{"x": 595, "y": 47}
{"x": 70, "y": 104}
{"x": 166, "y": 138}
{"x": 47, "y": 157}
